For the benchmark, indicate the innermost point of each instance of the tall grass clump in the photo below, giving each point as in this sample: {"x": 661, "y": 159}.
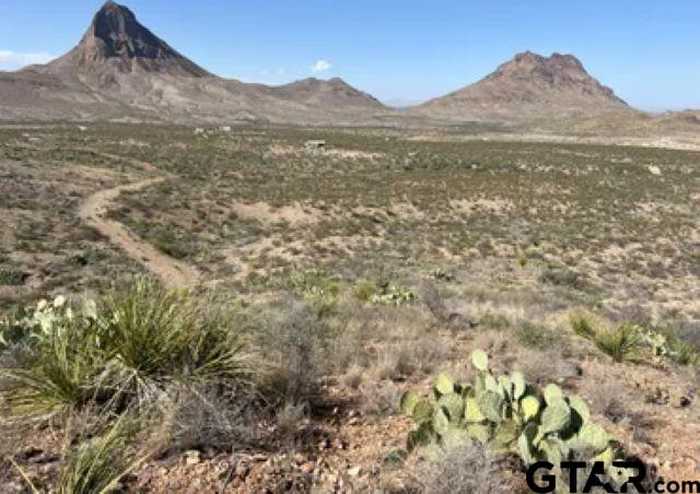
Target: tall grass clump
{"x": 97, "y": 465}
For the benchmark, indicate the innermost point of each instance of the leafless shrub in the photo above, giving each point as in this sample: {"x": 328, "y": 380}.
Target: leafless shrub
{"x": 204, "y": 419}
{"x": 467, "y": 469}
{"x": 381, "y": 398}
{"x": 295, "y": 347}
{"x": 542, "y": 367}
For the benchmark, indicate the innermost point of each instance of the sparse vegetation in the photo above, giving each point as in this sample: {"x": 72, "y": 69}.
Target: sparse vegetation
{"x": 636, "y": 343}
{"x": 328, "y": 285}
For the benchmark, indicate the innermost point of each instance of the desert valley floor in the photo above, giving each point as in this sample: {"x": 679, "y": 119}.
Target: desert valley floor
{"x": 357, "y": 271}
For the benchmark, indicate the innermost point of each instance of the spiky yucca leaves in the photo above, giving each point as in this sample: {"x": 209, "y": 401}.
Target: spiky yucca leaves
{"x": 64, "y": 368}
{"x": 157, "y": 336}
{"x": 508, "y": 415}
{"x": 130, "y": 346}
{"x": 97, "y": 465}
{"x": 621, "y": 343}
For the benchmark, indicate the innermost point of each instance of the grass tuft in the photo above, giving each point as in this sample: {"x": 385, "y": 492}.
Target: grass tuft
{"x": 98, "y": 465}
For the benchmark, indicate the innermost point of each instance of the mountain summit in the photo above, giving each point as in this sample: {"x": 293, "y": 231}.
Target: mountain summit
{"x": 529, "y": 85}
{"x": 116, "y": 39}
{"x": 120, "y": 69}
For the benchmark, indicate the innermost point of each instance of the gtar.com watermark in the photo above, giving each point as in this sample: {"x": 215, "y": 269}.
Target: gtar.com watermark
{"x": 593, "y": 476}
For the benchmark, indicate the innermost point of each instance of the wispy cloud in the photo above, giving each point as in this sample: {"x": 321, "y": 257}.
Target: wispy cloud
{"x": 321, "y": 66}
{"x": 10, "y": 60}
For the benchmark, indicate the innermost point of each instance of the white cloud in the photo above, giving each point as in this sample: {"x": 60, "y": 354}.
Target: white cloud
{"x": 10, "y": 60}
{"x": 321, "y": 66}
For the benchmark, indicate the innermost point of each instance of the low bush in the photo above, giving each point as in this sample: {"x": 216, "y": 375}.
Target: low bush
{"x": 12, "y": 277}
{"x": 293, "y": 341}
{"x": 623, "y": 343}
{"x": 562, "y": 276}
{"x": 536, "y": 336}
{"x": 468, "y": 468}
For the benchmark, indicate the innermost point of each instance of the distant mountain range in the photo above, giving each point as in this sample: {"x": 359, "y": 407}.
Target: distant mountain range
{"x": 121, "y": 71}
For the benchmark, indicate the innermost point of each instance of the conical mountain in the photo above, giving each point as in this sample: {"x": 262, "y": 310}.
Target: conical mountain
{"x": 121, "y": 69}
{"x": 115, "y": 37}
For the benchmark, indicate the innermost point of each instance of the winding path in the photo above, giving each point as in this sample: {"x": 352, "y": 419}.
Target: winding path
{"x": 173, "y": 273}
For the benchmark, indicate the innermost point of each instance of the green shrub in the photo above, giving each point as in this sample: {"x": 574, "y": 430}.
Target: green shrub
{"x": 536, "y": 336}
{"x": 683, "y": 353}
{"x": 169, "y": 243}
{"x": 582, "y": 326}
{"x": 364, "y": 290}
{"x": 317, "y": 288}
{"x": 12, "y": 277}
{"x": 562, "y": 276}
{"x": 622, "y": 343}
{"x": 495, "y": 321}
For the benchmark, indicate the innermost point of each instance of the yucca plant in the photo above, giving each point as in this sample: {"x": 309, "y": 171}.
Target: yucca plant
{"x": 156, "y": 336}
{"x": 131, "y": 345}
{"x": 622, "y": 343}
{"x": 65, "y": 369}
{"x": 97, "y": 466}
{"x": 582, "y": 326}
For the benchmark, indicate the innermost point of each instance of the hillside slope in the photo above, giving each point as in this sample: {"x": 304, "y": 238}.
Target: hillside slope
{"x": 120, "y": 69}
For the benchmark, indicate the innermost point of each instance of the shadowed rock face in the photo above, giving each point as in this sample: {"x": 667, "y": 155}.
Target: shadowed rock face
{"x": 122, "y": 36}
{"x": 117, "y": 38}
{"x": 120, "y": 69}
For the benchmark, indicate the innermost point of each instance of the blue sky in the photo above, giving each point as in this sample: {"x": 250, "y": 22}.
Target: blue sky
{"x": 400, "y": 51}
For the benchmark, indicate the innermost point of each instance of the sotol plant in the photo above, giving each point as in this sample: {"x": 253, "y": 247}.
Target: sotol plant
{"x": 508, "y": 415}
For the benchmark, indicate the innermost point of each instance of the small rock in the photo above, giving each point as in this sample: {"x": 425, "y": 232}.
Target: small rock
{"x": 355, "y": 471}
{"x": 192, "y": 458}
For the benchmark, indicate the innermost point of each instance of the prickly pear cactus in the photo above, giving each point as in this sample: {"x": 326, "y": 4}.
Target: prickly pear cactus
{"x": 509, "y": 415}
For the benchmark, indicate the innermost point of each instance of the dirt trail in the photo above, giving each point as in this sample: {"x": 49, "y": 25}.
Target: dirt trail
{"x": 173, "y": 273}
